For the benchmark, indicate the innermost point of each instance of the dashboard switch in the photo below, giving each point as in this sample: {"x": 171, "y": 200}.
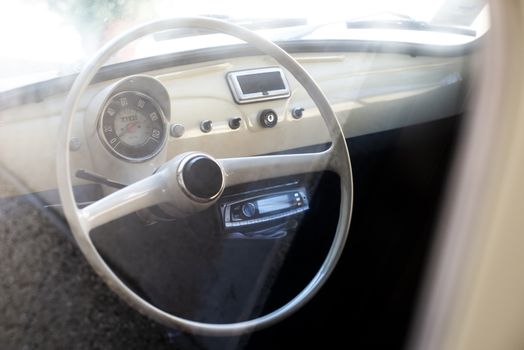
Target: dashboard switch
{"x": 234, "y": 123}
{"x": 177, "y": 130}
{"x": 268, "y": 118}
{"x": 206, "y": 126}
{"x": 297, "y": 112}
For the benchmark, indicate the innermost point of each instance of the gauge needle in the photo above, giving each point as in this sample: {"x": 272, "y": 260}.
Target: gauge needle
{"x": 131, "y": 127}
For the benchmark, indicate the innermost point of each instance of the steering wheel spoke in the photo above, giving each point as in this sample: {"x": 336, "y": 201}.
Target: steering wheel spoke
{"x": 250, "y": 169}
{"x": 142, "y": 194}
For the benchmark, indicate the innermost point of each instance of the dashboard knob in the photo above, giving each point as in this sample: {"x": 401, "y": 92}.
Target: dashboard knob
{"x": 206, "y": 126}
{"x": 234, "y": 123}
{"x": 297, "y": 112}
{"x": 177, "y": 130}
{"x": 268, "y": 118}
{"x": 248, "y": 209}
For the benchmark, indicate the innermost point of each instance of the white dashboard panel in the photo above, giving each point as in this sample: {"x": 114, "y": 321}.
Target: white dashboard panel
{"x": 370, "y": 92}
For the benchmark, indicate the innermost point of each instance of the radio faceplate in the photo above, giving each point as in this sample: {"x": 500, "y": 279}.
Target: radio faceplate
{"x": 264, "y": 208}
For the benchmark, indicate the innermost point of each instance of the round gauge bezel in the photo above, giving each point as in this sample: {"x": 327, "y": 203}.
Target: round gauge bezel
{"x": 162, "y": 140}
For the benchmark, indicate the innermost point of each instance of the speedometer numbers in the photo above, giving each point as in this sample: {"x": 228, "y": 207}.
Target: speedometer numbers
{"x": 132, "y": 126}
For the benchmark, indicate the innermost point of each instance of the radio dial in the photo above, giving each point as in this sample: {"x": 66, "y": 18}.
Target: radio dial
{"x": 249, "y": 210}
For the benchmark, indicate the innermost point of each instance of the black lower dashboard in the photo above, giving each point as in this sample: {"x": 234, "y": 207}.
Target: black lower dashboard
{"x": 188, "y": 268}
{"x": 227, "y": 263}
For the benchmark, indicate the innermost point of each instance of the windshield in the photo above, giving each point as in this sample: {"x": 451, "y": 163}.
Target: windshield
{"x": 44, "y": 39}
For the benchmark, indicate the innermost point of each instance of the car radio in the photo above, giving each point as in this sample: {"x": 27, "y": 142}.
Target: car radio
{"x": 264, "y": 208}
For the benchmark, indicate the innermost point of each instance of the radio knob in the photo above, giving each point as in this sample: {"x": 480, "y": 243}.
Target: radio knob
{"x": 268, "y": 118}
{"x": 248, "y": 209}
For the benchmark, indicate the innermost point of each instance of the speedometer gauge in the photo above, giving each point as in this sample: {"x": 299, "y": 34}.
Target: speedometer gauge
{"x": 132, "y": 126}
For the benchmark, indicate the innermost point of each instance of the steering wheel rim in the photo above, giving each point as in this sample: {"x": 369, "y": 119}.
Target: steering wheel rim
{"x": 78, "y": 219}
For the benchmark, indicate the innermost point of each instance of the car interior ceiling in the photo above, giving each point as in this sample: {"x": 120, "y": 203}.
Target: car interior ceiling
{"x": 399, "y": 178}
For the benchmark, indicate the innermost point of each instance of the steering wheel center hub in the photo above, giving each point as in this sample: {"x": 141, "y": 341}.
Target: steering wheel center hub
{"x": 201, "y": 178}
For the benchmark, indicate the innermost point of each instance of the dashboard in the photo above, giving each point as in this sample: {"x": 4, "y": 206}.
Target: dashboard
{"x": 127, "y": 127}
{"x": 398, "y": 111}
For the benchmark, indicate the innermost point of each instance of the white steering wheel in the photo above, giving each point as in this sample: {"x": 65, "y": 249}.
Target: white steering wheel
{"x": 170, "y": 183}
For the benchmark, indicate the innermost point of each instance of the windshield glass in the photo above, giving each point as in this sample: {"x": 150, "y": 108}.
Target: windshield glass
{"x": 44, "y": 39}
